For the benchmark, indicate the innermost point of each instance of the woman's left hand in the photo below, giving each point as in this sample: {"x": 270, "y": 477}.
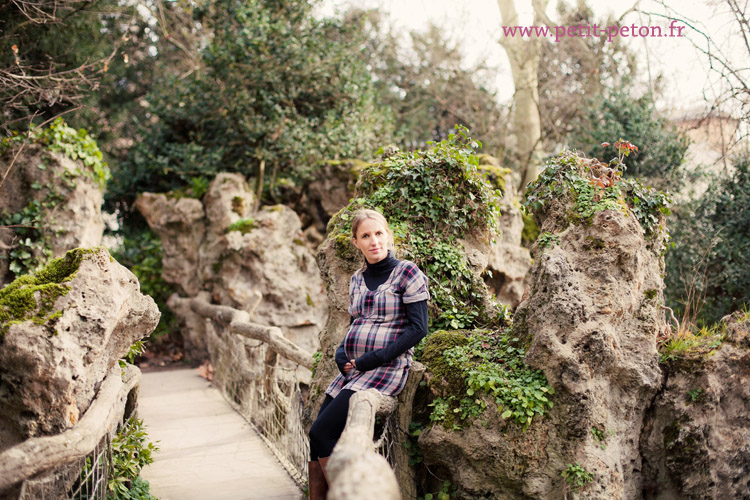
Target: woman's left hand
{"x": 349, "y": 366}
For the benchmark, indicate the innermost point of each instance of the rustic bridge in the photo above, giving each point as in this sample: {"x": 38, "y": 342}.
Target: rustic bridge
{"x": 213, "y": 447}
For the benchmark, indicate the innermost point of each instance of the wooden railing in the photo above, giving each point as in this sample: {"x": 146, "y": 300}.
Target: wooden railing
{"x": 355, "y": 466}
{"x": 37, "y": 455}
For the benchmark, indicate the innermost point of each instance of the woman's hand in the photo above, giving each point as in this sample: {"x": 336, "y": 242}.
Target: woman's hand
{"x": 349, "y": 366}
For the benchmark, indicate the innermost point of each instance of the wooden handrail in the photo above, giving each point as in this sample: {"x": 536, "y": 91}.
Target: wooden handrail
{"x": 238, "y": 322}
{"x": 355, "y": 466}
{"x": 39, "y": 454}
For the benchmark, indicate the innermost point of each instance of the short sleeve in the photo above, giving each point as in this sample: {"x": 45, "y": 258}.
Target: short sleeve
{"x": 415, "y": 284}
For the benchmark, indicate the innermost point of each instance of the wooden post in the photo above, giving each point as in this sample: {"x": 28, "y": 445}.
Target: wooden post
{"x": 238, "y": 322}
{"x": 355, "y": 469}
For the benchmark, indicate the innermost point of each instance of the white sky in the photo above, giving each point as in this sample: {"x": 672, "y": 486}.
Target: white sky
{"x": 476, "y": 24}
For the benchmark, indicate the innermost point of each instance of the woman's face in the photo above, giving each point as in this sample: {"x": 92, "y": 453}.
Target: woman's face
{"x": 372, "y": 240}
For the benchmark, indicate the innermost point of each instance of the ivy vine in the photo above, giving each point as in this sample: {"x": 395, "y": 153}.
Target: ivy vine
{"x": 31, "y": 247}
{"x": 432, "y": 199}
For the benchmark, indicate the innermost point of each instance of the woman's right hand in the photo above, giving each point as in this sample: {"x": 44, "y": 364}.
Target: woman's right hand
{"x": 349, "y": 366}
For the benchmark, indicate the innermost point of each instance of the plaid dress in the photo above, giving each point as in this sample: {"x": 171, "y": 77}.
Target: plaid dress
{"x": 378, "y": 319}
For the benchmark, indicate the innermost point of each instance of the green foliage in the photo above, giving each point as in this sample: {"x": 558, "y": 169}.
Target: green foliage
{"x": 662, "y": 146}
{"x": 138, "y": 348}
{"x": 592, "y": 187}
{"x": 711, "y": 256}
{"x": 548, "y": 239}
{"x": 130, "y": 453}
{"x": 694, "y": 395}
{"x": 647, "y": 204}
{"x": 317, "y": 355}
{"x": 141, "y": 253}
{"x": 576, "y": 476}
{"x": 76, "y": 145}
{"x": 412, "y": 444}
{"x": 32, "y": 296}
{"x": 33, "y": 245}
{"x": 196, "y": 188}
{"x": 277, "y": 85}
{"x": 484, "y": 363}
{"x": 685, "y": 346}
{"x": 244, "y": 226}
{"x": 32, "y": 223}
{"x": 446, "y": 492}
{"x": 601, "y": 436}
{"x": 139, "y": 489}
{"x": 431, "y": 199}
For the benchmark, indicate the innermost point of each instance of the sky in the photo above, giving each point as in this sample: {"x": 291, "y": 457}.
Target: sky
{"x": 477, "y": 25}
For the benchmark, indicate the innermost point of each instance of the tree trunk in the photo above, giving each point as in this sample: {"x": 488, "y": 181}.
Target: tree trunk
{"x": 524, "y": 58}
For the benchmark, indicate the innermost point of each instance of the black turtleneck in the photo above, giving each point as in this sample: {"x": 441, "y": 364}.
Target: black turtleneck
{"x": 378, "y": 273}
{"x": 416, "y": 315}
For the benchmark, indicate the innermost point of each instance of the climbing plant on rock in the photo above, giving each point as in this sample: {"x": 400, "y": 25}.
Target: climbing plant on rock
{"x": 32, "y": 224}
{"x": 433, "y": 200}
{"x": 471, "y": 368}
{"x": 594, "y": 186}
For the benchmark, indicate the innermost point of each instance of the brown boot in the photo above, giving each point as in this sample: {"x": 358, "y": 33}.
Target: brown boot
{"x": 317, "y": 485}
{"x": 323, "y": 465}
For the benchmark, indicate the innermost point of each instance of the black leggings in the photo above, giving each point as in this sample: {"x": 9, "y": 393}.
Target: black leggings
{"x": 327, "y": 428}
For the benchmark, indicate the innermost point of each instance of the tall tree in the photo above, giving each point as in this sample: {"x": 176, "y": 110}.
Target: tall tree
{"x": 524, "y": 56}
{"x": 424, "y": 79}
{"x": 573, "y": 70}
{"x": 53, "y": 53}
{"x": 277, "y": 88}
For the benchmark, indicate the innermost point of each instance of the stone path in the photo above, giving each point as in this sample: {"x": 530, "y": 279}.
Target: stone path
{"x": 208, "y": 451}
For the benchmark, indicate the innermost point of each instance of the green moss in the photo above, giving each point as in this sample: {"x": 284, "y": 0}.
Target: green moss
{"x": 494, "y": 174}
{"x": 650, "y": 293}
{"x": 435, "y": 346}
{"x": 244, "y": 226}
{"x": 595, "y": 243}
{"x": 671, "y": 432}
{"x": 298, "y": 242}
{"x": 344, "y": 248}
{"x": 32, "y": 297}
{"x": 309, "y": 301}
{"x": 238, "y": 205}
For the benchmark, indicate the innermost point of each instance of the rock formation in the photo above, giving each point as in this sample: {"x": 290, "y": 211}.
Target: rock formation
{"x": 590, "y": 321}
{"x": 509, "y": 262}
{"x": 328, "y": 191}
{"x": 696, "y": 438}
{"x": 62, "y": 330}
{"x": 64, "y": 202}
{"x": 219, "y": 246}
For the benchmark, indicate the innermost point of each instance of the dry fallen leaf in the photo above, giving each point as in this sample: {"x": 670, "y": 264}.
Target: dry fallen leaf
{"x": 206, "y": 371}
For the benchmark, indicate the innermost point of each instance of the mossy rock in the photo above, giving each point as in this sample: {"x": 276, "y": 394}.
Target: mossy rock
{"x": 450, "y": 379}
{"x": 32, "y": 297}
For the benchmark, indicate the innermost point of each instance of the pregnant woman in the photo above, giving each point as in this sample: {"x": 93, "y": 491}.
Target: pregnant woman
{"x": 388, "y": 309}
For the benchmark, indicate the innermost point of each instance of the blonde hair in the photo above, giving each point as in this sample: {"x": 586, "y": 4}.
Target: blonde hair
{"x": 366, "y": 213}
